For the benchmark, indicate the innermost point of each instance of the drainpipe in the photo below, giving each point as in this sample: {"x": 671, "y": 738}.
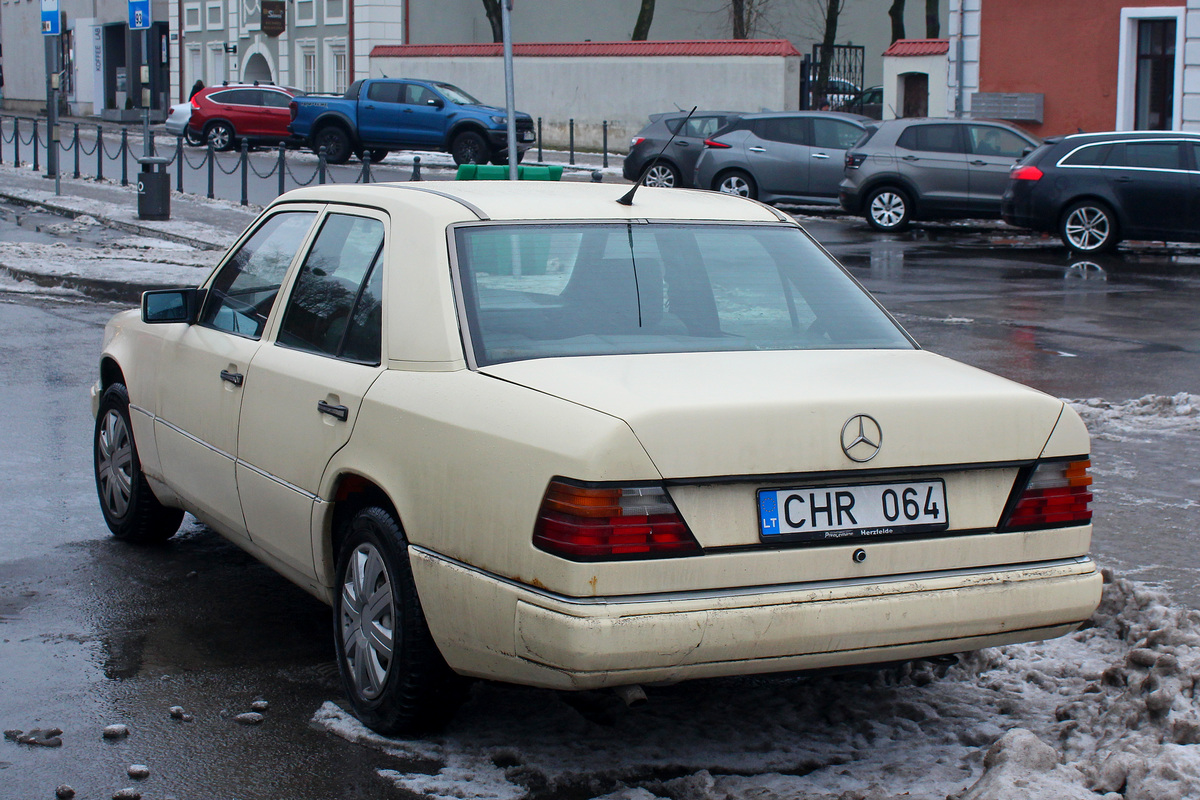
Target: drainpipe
{"x": 350, "y": 70}
{"x": 960, "y": 53}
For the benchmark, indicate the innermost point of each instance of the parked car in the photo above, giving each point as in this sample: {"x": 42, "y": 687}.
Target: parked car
{"x": 1096, "y": 189}
{"x": 177, "y": 123}
{"x": 525, "y": 432}
{"x": 868, "y": 102}
{"x": 385, "y": 114}
{"x": 794, "y": 157}
{"x": 673, "y": 167}
{"x": 225, "y": 115}
{"x": 907, "y": 169}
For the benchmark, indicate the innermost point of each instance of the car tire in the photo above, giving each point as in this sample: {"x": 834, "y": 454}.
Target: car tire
{"x": 469, "y": 147}
{"x": 336, "y": 143}
{"x": 376, "y": 155}
{"x": 736, "y": 182}
{"x": 888, "y": 209}
{"x": 661, "y": 174}
{"x": 1089, "y": 226}
{"x": 501, "y": 159}
{"x": 220, "y": 135}
{"x": 395, "y": 677}
{"x": 130, "y": 508}
{"x": 193, "y": 138}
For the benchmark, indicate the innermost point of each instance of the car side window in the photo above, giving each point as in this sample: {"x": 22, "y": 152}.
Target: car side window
{"x": 1196, "y": 156}
{"x": 241, "y": 97}
{"x": 385, "y": 92}
{"x": 334, "y": 308}
{"x": 1150, "y": 155}
{"x": 417, "y": 95}
{"x": 243, "y": 292}
{"x": 273, "y": 99}
{"x": 931, "y": 138}
{"x": 702, "y": 127}
{"x": 834, "y": 133}
{"x": 988, "y": 140}
{"x": 792, "y": 130}
{"x": 1092, "y": 155}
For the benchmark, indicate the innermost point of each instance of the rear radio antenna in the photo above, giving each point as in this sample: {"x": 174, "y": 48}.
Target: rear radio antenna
{"x": 627, "y": 198}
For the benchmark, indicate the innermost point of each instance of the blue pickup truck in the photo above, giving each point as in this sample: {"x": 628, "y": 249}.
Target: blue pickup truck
{"x": 384, "y": 114}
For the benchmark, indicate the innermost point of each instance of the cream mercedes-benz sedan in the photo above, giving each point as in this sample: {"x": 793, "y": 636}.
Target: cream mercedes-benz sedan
{"x": 525, "y": 432}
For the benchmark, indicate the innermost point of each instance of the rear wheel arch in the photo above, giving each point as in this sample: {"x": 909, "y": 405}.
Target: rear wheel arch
{"x": 351, "y": 493}
{"x": 893, "y": 181}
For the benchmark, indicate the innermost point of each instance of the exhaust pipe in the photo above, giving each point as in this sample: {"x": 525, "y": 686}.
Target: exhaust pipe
{"x": 632, "y": 695}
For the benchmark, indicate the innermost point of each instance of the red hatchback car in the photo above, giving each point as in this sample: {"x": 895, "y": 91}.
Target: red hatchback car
{"x": 224, "y": 115}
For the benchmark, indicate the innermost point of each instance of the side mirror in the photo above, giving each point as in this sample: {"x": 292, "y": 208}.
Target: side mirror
{"x": 435, "y": 102}
{"x": 171, "y": 305}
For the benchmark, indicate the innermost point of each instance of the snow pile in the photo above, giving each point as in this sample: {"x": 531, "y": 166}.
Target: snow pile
{"x": 1110, "y": 711}
{"x": 133, "y": 260}
{"x": 1152, "y": 412}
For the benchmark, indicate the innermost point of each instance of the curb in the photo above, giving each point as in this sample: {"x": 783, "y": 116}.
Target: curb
{"x": 93, "y": 288}
{"x": 108, "y": 222}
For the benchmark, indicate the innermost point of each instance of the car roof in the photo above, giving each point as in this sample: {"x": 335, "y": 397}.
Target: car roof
{"x": 1122, "y": 135}
{"x": 832, "y": 114}
{"x": 447, "y": 202}
{"x": 697, "y": 113}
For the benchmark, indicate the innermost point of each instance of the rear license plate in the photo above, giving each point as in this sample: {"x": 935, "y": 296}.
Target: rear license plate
{"x": 828, "y": 513}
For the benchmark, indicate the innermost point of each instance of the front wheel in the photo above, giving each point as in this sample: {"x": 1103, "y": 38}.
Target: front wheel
{"x": 130, "y": 508}
{"x": 336, "y": 143}
{"x": 469, "y": 147}
{"x": 1089, "y": 227}
{"x": 737, "y": 182}
{"x": 391, "y": 669}
{"x": 888, "y": 209}
{"x": 664, "y": 175}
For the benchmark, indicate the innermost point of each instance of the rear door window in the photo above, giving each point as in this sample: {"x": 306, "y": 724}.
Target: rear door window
{"x": 385, "y": 92}
{"x": 989, "y": 140}
{"x": 792, "y": 130}
{"x": 1147, "y": 155}
{"x": 932, "y": 138}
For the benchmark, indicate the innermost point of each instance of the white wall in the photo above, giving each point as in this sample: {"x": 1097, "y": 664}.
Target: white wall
{"x": 1191, "y": 68}
{"x": 625, "y": 91}
{"x": 894, "y": 69}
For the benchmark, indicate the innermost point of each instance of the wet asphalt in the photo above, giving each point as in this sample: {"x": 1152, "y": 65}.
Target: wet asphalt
{"x": 95, "y": 632}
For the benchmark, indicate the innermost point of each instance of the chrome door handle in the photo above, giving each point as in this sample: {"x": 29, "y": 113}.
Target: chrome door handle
{"x": 819, "y": 155}
{"x": 682, "y": 143}
{"x": 337, "y": 412}
{"x": 236, "y": 378}
{"x": 757, "y": 149}
{"x": 978, "y": 163}
{"x": 910, "y": 158}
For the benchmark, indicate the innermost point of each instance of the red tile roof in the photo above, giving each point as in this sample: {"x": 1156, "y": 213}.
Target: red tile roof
{"x": 718, "y": 47}
{"x": 918, "y": 47}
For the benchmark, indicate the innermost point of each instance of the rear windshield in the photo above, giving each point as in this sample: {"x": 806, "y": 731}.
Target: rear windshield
{"x": 539, "y": 291}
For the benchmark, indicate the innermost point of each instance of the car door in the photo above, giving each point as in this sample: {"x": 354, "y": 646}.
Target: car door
{"x": 379, "y": 116}
{"x": 199, "y": 402}
{"x": 275, "y": 114}
{"x": 992, "y": 152}
{"x": 246, "y": 112}
{"x": 688, "y": 143}
{"x": 424, "y": 115}
{"x": 304, "y": 389}
{"x": 934, "y": 159}
{"x": 1151, "y": 186}
{"x": 831, "y": 138}
{"x": 778, "y": 155}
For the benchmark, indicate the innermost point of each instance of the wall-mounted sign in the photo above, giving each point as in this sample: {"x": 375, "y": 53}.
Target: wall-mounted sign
{"x": 230, "y": 48}
{"x": 274, "y": 17}
{"x": 139, "y": 14}
{"x": 50, "y": 19}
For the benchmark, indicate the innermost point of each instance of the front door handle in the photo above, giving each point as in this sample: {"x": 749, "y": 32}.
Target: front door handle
{"x": 337, "y": 412}
{"x": 910, "y": 158}
{"x": 819, "y": 155}
{"x": 1123, "y": 179}
{"x": 757, "y": 149}
{"x": 236, "y": 378}
{"x": 978, "y": 163}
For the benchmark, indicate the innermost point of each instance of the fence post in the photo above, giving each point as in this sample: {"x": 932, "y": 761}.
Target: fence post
{"x": 35, "y": 146}
{"x": 16, "y": 141}
{"x": 416, "y": 173}
{"x": 365, "y": 178}
{"x": 571, "y": 128}
{"x": 1, "y": 140}
{"x": 541, "y": 159}
{"x": 211, "y": 158}
{"x": 179, "y": 163}
{"x": 75, "y": 145}
{"x": 282, "y": 166}
{"x": 124, "y": 156}
{"x": 245, "y": 169}
{"x": 604, "y": 146}
{"x": 321, "y": 165}
{"x": 99, "y": 152}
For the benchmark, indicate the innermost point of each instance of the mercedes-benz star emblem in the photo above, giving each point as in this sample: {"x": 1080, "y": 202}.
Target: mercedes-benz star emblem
{"x": 861, "y": 438}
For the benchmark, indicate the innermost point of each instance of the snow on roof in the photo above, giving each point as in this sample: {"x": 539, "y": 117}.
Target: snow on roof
{"x": 918, "y": 47}
{"x": 708, "y": 47}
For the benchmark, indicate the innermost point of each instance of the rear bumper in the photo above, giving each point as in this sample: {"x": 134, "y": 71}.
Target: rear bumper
{"x": 494, "y": 627}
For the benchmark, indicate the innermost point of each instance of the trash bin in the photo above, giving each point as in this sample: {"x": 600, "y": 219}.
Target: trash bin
{"x": 154, "y": 188}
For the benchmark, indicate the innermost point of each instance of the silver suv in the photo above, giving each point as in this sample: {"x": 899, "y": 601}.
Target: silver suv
{"x": 906, "y": 169}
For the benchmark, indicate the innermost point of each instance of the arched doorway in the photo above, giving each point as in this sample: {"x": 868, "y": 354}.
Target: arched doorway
{"x": 257, "y": 69}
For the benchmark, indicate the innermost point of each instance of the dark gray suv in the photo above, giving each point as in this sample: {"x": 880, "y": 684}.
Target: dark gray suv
{"x": 907, "y": 169}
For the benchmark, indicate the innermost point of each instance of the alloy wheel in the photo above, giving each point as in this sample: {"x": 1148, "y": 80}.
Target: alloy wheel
{"x": 368, "y": 621}
{"x": 735, "y": 184}
{"x": 1087, "y": 228}
{"x": 114, "y": 464}
{"x": 660, "y": 175}
{"x": 887, "y": 209}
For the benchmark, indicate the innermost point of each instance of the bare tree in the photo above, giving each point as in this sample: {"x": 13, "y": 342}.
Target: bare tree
{"x": 830, "y": 11}
{"x": 492, "y": 9}
{"x": 747, "y": 17}
{"x": 933, "y": 27}
{"x": 641, "y": 28}
{"x": 896, "y": 12}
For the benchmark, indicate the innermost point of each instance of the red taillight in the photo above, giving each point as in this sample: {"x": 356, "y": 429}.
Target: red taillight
{"x": 294, "y": 109}
{"x": 598, "y": 523}
{"x": 636, "y": 141}
{"x": 1057, "y": 494}
{"x": 1026, "y": 173}
{"x": 716, "y": 144}
{"x": 195, "y": 104}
